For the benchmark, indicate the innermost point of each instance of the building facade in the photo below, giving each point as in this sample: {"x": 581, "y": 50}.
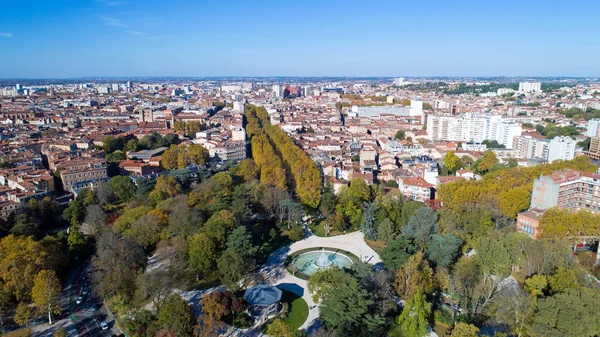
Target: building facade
{"x": 573, "y": 190}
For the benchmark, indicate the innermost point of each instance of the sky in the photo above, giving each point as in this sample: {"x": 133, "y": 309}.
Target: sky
{"x": 81, "y": 38}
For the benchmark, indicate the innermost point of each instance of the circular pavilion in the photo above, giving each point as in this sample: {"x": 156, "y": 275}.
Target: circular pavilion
{"x": 263, "y": 300}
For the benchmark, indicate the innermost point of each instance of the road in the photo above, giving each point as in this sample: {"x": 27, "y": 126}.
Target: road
{"x": 78, "y": 319}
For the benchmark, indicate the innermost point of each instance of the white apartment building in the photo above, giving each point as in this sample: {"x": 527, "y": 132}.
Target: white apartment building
{"x": 504, "y": 91}
{"x": 561, "y": 148}
{"x": 532, "y": 148}
{"x": 593, "y": 128}
{"x": 472, "y": 128}
{"x": 530, "y": 87}
{"x": 277, "y": 91}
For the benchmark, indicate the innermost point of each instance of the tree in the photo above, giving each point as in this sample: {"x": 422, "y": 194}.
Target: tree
{"x": 166, "y": 187}
{"x": 414, "y": 277}
{"x": 77, "y": 243}
{"x": 178, "y": 315}
{"x": 400, "y": 135}
{"x": 279, "y": 328}
{"x": 202, "y": 253}
{"x": 219, "y": 226}
{"x": 397, "y": 252}
{"x": 474, "y": 288}
{"x": 465, "y": 330}
{"x": 513, "y": 307}
{"x": 385, "y": 230}
{"x": 345, "y": 307}
{"x": 232, "y": 269}
{"x": 368, "y": 224}
{"x": 571, "y": 313}
{"x": 248, "y": 170}
{"x": 536, "y": 285}
{"x": 321, "y": 282}
{"x": 415, "y": 316}
{"x": 216, "y": 305}
{"x": 123, "y": 187}
{"x": 22, "y": 314}
{"x": 240, "y": 243}
{"x": 452, "y": 162}
{"x": 95, "y": 218}
{"x": 486, "y": 163}
{"x": 421, "y": 226}
{"x": 328, "y": 199}
{"x": 45, "y": 293}
{"x": 443, "y": 249}
{"x": 492, "y": 256}
{"x": 21, "y": 259}
{"x": 116, "y": 265}
{"x": 155, "y": 285}
{"x": 563, "y": 279}
{"x": 208, "y": 327}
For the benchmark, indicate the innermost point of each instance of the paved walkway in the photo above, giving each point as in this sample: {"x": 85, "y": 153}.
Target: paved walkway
{"x": 273, "y": 272}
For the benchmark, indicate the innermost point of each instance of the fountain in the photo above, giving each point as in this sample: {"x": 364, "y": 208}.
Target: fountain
{"x": 311, "y": 262}
{"x": 323, "y": 260}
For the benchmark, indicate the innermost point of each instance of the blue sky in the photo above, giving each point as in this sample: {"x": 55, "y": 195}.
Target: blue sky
{"x": 72, "y": 38}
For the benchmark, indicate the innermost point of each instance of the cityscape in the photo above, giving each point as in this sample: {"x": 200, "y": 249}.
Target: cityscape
{"x": 172, "y": 185}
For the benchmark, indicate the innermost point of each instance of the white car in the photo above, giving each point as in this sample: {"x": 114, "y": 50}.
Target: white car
{"x": 104, "y": 325}
{"x": 79, "y": 300}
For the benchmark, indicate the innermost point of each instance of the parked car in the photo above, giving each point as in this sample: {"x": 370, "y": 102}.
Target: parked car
{"x": 79, "y": 300}
{"x": 94, "y": 306}
{"x": 104, "y": 325}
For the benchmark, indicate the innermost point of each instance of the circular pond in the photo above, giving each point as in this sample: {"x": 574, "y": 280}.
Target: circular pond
{"x": 311, "y": 262}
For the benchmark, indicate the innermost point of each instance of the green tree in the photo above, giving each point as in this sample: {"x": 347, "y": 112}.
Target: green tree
{"x": 77, "y": 243}
{"x": 421, "y": 226}
{"x": 280, "y": 328}
{"x": 563, "y": 279}
{"x": 385, "y": 230}
{"x": 240, "y": 243}
{"x": 401, "y": 135}
{"x": 452, "y": 162}
{"x": 232, "y": 269}
{"x": 166, "y": 187}
{"x": 202, "y": 253}
{"x": 397, "y": 252}
{"x": 464, "y": 330}
{"x": 123, "y": 187}
{"x": 45, "y": 293}
{"x": 321, "y": 282}
{"x": 571, "y": 313}
{"x": 177, "y": 315}
{"x": 415, "y": 316}
{"x": 442, "y": 250}
{"x": 368, "y": 223}
{"x": 22, "y": 314}
{"x": 486, "y": 163}
{"x": 219, "y": 226}
{"x": 345, "y": 307}
{"x": 536, "y": 285}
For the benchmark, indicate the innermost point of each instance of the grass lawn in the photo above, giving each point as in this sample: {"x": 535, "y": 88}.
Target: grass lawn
{"x": 375, "y": 245}
{"x": 297, "y": 309}
{"x": 319, "y": 230}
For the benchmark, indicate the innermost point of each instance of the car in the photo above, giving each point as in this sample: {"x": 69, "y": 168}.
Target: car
{"x": 94, "y": 306}
{"x": 104, "y": 325}
{"x": 79, "y": 300}
{"x": 85, "y": 290}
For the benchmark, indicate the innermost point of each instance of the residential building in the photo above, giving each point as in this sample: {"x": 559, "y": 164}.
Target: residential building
{"x": 529, "y": 221}
{"x": 531, "y": 147}
{"x": 530, "y": 87}
{"x": 561, "y": 148}
{"x": 593, "y": 128}
{"x": 594, "y": 151}
{"x": 416, "y": 188}
{"x": 77, "y": 171}
{"x": 146, "y": 155}
{"x": 574, "y": 190}
{"x": 472, "y": 128}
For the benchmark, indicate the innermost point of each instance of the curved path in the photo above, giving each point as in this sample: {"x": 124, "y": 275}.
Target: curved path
{"x": 273, "y": 272}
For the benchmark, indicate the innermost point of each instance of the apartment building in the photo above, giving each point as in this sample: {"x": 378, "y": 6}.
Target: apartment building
{"x": 569, "y": 189}
{"x": 472, "y": 128}
{"x": 81, "y": 170}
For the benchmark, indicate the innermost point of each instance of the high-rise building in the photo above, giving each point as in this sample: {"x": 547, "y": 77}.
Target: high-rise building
{"x": 594, "y": 151}
{"x": 399, "y": 81}
{"x": 532, "y": 148}
{"x": 593, "y": 128}
{"x": 115, "y": 87}
{"x": 473, "y": 128}
{"x": 561, "y": 148}
{"x": 530, "y": 87}
{"x": 278, "y": 91}
{"x": 19, "y": 87}
{"x": 104, "y": 90}
{"x": 573, "y": 190}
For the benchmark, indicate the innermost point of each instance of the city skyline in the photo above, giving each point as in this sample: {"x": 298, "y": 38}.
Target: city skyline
{"x": 105, "y": 38}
